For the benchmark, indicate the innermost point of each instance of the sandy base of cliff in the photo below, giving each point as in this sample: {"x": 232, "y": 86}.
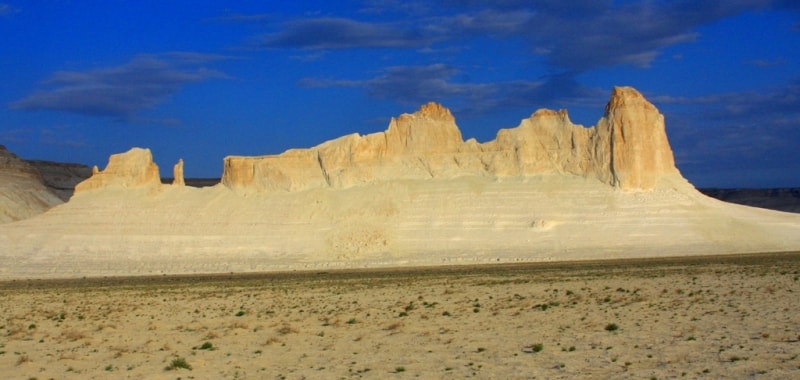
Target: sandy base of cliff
{"x": 695, "y": 318}
{"x": 468, "y": 220}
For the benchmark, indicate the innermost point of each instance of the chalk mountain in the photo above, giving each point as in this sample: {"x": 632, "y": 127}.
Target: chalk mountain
{"x": 415, "y": 194}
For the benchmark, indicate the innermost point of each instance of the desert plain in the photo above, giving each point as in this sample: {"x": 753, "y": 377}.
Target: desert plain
{"x": 553, "y": 251}
{"x": 693, "y": 317}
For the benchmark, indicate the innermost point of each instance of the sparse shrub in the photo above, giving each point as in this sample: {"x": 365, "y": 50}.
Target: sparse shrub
{"x": 612, "y": 327}
{"x": 207, "y": 346}
{"x": 534, "y": 348}
{"x": 178, "y": 363}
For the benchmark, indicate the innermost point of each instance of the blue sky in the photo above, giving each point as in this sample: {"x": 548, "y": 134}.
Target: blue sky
{"x": 199, "y": 80}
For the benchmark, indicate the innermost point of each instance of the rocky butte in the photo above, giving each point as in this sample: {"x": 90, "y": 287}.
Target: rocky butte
{"x": 628, "y": 149}
{"x": 415, "y": 194}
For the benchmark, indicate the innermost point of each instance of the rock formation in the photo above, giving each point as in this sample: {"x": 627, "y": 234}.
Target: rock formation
{"x": 177, "y": 174}
{"x": 633, "y": 130}
{"x": 22, "y": 191}
{"x": 628, "y": 149}
{"x": 134, "y": 168}
{"x": 416, "y": 194}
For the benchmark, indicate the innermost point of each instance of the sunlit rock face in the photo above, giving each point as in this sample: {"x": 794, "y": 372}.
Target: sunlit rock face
{"x": 628, "y": 149}
{"x": 637, "y": 153}
{"x": 177, "y": 174}
{"x": 134, "y": 168}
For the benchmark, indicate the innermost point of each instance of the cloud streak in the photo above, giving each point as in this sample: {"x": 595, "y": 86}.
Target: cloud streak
{"x": 343, "y": 33}
{"x": 438, "y": 82}
{"x": 745, "y": 131}
{"x": 570, "y": 38}
{"x": 6, "y": 9}
{"x": 121, "y": 91}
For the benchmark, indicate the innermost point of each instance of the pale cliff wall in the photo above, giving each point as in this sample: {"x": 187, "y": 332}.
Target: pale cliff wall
{"x": 177, "y": 174}
{"x": 628, "y": 149}
{"x": 134, "y": 168}
{"x": 633, "y": 132}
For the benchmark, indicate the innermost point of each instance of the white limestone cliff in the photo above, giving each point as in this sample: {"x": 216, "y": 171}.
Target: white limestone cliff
{"x": 416, "y": 194}
{"x": 177, "y": 174}
{"x": 134, "y": 168}
{"x": 628, "y": 149}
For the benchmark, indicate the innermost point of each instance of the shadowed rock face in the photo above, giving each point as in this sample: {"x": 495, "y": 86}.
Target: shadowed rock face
{"x": 22, "y": 192}
{"x": 61, "y": 178}
{"x": 628, "y": 149}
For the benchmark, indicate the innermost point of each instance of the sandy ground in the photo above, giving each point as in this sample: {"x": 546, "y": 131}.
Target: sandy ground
{"x": 712, "y": 317}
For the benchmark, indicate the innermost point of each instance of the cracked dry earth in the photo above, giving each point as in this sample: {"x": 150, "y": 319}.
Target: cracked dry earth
{"x": 708, "y": 317}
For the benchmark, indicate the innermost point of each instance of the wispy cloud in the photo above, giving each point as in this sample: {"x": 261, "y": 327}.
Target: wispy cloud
{"x": 344, "y": 33}
{"x": 750, "y": 129}
{"x": 58, "y": 137}
{"x": 766, "y": 63}
{"x": 430, "y": 82}
{"x": 438, "y": 82}
{"x": 121, "y": 91}
{"x": 745, "y": 105}
{"x": 573, "y": 37}
{"x": 61, "y": 135}
{"x": 17, "y": 135}
{"x": 246, "y": 18}
{"x": 6, "y": 9}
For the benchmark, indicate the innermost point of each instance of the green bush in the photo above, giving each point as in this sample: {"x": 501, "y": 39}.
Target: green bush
{"x": 178, "y": 363}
